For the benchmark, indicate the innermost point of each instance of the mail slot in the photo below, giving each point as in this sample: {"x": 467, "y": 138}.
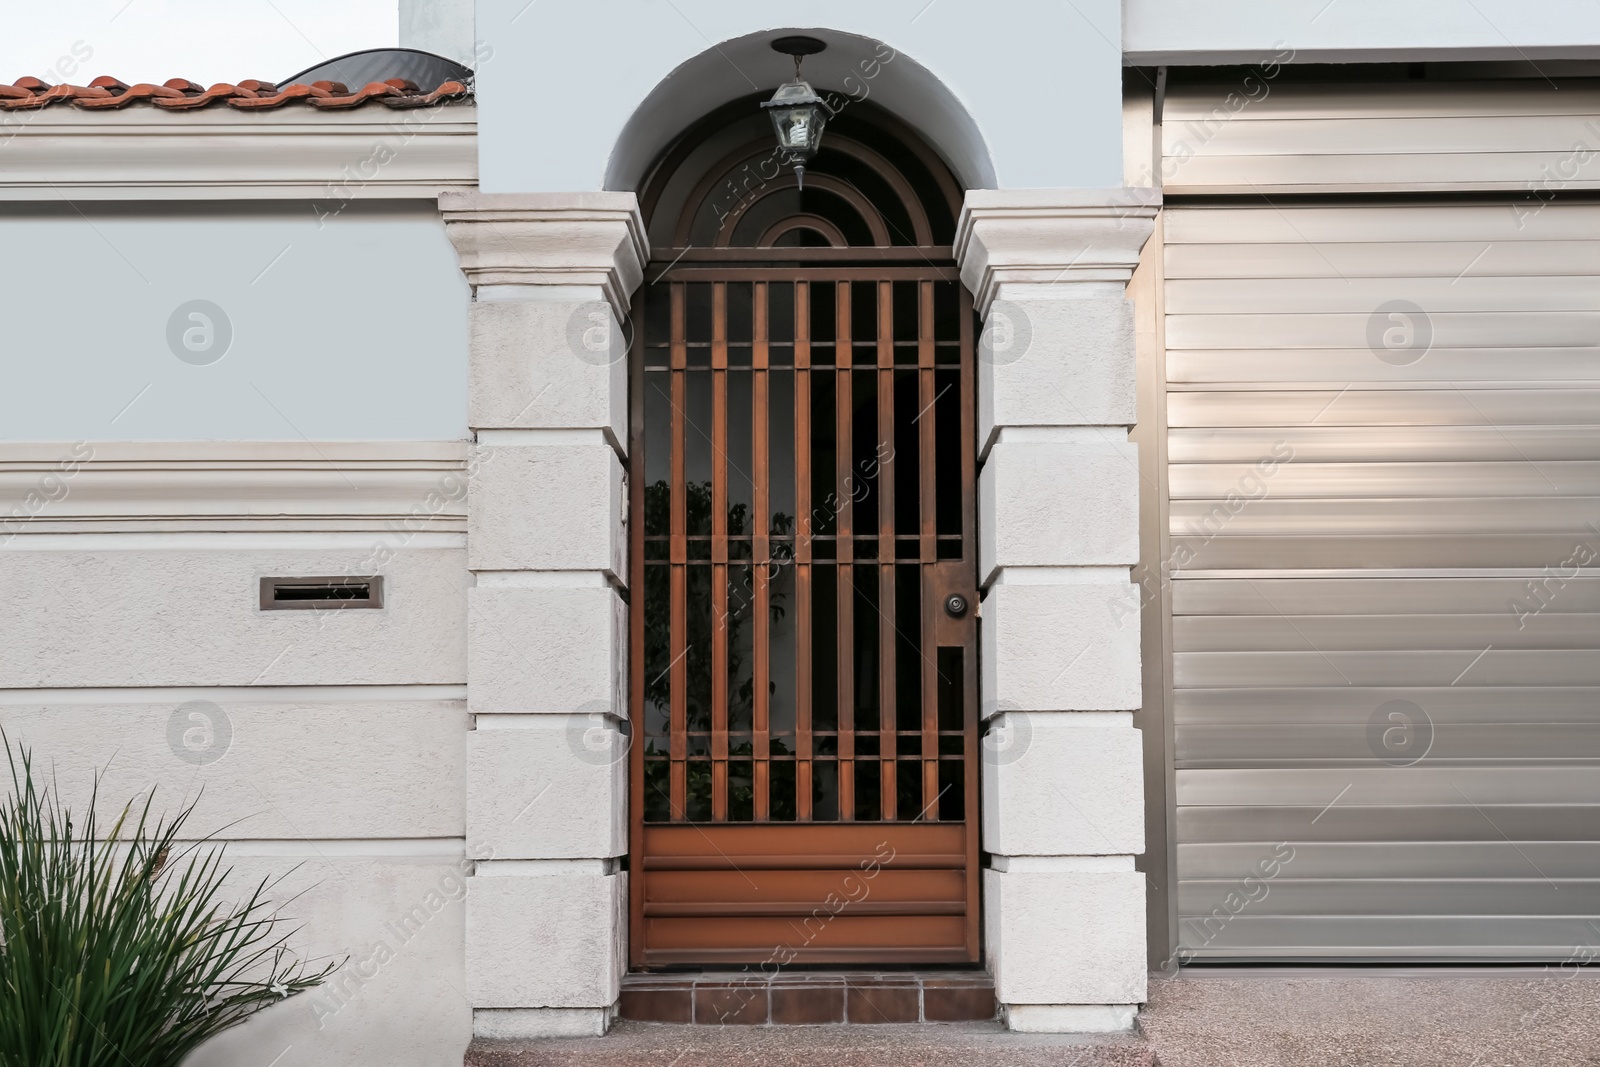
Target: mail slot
{"x": 321, "y": 592}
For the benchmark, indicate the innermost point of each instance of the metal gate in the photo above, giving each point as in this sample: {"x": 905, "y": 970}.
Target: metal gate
{"x": 804, "y": 672}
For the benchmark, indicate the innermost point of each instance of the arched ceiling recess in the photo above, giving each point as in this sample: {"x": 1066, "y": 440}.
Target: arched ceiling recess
{"x": 853, "y": 69}
{"x": 874, "y": 191}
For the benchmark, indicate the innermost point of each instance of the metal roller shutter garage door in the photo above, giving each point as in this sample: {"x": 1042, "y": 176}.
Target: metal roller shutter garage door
{"x": 1384, "y": 535}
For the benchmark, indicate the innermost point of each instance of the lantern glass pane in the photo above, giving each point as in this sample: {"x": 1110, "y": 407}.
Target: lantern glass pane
{"x": 792, "y": 125}
{"x": 819, "y": 116}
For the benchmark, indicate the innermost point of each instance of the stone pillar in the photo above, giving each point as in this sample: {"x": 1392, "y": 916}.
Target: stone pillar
{"x": 1058, "y": 500}
{"x": 547, "y": 645}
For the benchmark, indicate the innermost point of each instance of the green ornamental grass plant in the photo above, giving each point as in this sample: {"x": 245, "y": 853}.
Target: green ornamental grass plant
{"x": 117, "y": 946}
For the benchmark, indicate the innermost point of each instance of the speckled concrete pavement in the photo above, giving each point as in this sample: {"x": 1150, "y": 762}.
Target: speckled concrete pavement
{"x": 1409, "y": 1018}
{"x": 1265, "y": 1018}
{"x": 930, "y": 1045}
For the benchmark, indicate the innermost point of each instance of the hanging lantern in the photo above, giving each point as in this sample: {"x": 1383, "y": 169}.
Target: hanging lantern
{"x": 798, "y": 113}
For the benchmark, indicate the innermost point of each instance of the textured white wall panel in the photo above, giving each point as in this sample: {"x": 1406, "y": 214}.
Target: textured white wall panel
{"x": 191, "y": 616}
{"x": 263, "y": 766}
{"x": 398, "y": 998}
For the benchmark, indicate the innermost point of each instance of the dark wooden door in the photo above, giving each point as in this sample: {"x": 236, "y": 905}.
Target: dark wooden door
{"x": 804, "y": 655}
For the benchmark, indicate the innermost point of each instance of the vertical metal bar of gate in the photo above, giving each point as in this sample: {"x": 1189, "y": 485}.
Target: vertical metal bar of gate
{"x": 680, "y": 557}
{"x": 844, "y": 549}
{"x": 719, "y": 552}
{"x": 888, "y": 630}
{"x": 803, "y": 531}
{"x": 760, "y": 563}
{"x": 928, "y": 546}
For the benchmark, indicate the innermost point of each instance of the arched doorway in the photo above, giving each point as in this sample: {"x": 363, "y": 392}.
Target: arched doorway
{"x": 803, "y": 572}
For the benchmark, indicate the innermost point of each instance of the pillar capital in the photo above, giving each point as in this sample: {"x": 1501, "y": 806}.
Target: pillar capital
{"x": 1037, "y": 237}
{"x": 594, "y": 240}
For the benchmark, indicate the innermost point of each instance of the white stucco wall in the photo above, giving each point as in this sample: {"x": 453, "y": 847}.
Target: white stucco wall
{"x": 1041, "y": 81}
{"x": 350, "y": 325}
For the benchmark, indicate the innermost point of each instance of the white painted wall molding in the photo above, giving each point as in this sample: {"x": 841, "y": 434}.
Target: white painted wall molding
{"x": 223, "y": 153}
{"x": 309, "y": 535}
{"x": 544, "y": 239}
{"x": 406, "y": 487}
{"x": 239, "y": 455}
{"x": 255, "y": 694}
{"x": 1051, "y": 236}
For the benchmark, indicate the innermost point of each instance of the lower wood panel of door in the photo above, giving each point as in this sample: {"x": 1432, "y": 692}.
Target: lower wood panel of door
{"x": 793, "y": 893}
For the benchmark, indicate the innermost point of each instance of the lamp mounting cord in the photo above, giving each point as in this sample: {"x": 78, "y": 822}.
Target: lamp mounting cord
{"x": 800, "y": 166}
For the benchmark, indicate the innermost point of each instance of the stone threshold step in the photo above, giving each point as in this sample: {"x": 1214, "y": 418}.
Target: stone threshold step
{"x": 808, "y": 998}
{"x": 633, "y": 1044}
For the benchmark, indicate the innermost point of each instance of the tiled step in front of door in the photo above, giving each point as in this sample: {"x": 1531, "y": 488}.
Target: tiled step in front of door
{"x": 758, "y": 999}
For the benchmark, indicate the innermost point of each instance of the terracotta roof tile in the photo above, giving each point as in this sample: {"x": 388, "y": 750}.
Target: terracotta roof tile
{"x": 221, "y": 91}
{"x": 126, "y": 94}
{"x": 286, "y": 94}
{"x": 447, "y": 91}
{"x": 370, "y": 91}
{"x": 180, "y": 94}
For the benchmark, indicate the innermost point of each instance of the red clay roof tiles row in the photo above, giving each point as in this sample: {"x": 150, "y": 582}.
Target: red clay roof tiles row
{"x": 180, "y": 94}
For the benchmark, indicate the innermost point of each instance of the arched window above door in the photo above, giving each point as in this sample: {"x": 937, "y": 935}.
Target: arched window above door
{"x": 873, "y": 192}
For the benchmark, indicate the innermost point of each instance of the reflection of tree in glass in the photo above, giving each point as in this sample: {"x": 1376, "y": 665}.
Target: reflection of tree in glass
{"x": 700, "y": 625}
